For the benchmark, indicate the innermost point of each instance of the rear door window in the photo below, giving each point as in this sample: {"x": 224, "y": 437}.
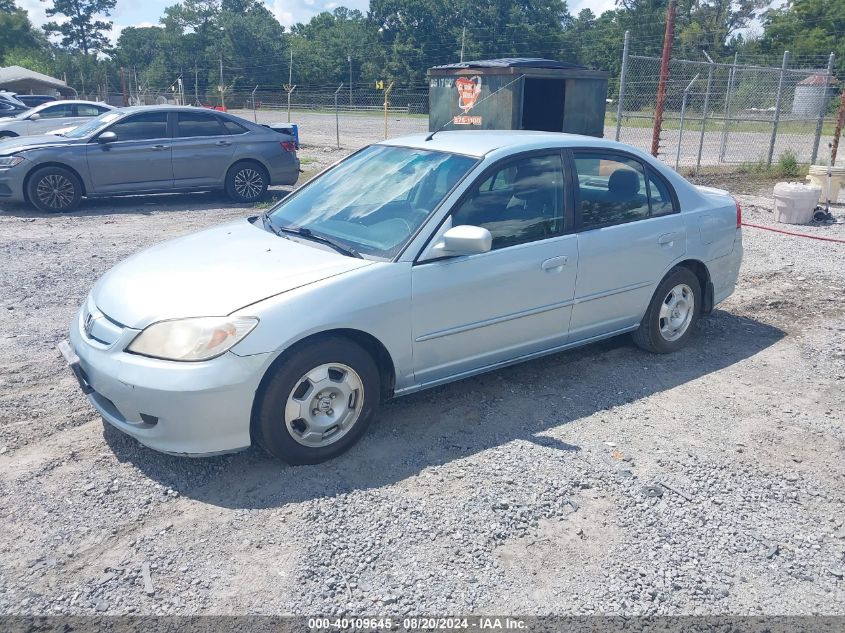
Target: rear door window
{"x": 191, "y": 124}
{"x": 611, "y": 189}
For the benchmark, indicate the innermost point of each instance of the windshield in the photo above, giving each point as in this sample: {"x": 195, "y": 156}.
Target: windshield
{"x": 375, "y": 200}
{"x": 92, "y": 125}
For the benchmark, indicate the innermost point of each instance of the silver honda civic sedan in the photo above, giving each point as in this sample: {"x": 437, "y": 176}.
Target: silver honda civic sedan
{"x": 412, "y": 263}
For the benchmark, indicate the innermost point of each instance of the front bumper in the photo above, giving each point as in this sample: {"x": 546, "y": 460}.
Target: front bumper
{"x": 11, "y": 182}
{"x": 199, "y": 408}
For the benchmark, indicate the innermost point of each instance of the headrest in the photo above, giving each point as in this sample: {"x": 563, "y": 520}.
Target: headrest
{"x": 624, "y": 183}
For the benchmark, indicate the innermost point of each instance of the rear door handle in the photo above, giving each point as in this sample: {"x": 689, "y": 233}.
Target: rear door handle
{"x": 223, "y": 143}
{"x": 158, "y": 148}
{"x": 667, "y": 239}
{"x": 554, "y": 263}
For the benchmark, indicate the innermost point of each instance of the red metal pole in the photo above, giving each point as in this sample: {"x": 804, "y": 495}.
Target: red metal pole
{"x": 840, "y": 120}
{"x": 664, "y": 76}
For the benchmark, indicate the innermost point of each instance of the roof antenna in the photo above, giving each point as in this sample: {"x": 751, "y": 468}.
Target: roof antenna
{"x": 431, "y": 136}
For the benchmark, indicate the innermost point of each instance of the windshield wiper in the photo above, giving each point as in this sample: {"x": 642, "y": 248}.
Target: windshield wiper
{"x": 308, "y": 234}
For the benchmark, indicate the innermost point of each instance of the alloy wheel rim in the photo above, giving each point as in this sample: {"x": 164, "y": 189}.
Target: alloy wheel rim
{"x": 676, "y": 312}
{"x": 55, "y": 191}
{"x": 248, "y": 183}
{"x": 324, "y": 405}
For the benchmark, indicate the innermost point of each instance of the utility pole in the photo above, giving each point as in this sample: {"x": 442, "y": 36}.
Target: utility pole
{"x": 196, "y": 84}
{"x": 664, "y": 76}
{"x": 463, "y": 38}
{"x": 222, "y": 96}
{"x": 290, "y": 68}
{"x": 349, "y": 59}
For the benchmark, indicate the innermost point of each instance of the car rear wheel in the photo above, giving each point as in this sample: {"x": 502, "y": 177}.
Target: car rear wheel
{"x": 54, "y": 189}
{"x": 318, "y": 402}
{"x": 674, "y": 309}
{"x": 247, "y": 182}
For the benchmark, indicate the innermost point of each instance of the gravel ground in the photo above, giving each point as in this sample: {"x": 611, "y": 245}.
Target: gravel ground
{"x": 602, "y": 480}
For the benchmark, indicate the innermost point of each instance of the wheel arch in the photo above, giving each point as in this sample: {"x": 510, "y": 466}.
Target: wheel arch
{"x": 373, "y": 346}
{"x": 255, "y": 161}
{"x": 32, "y": 171}
{"x": 700, "y": 270}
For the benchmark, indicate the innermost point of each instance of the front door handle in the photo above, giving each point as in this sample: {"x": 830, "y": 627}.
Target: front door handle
{"x": 555, "y": 263}
{"x": 159, "y": 148}
{"x": 223, "y": 143}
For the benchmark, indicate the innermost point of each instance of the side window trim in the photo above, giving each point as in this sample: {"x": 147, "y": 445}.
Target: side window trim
{"x": 569, "y": 228}
{"x": 647, "y": 172}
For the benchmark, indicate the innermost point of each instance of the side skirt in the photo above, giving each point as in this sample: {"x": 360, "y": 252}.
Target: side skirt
{"x": 506, "y": 363}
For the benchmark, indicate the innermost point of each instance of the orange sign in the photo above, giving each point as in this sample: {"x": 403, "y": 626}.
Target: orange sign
{"x": 468, "y": 90}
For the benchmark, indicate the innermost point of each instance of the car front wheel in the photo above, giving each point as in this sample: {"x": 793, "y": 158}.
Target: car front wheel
{"x": 54, "y": 189}
{"x": 674, "y": 309}
{"x": 318, "y": 402}
{"x": 247, "y": 182}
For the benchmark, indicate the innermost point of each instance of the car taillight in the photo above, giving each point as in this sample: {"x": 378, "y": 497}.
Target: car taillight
{"x": 738, "y": 214}
{"x": 288, "y": 146}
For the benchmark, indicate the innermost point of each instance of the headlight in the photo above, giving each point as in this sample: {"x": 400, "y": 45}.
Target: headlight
{"x": 199, "y": 338}
{"x": 10, "y": 161}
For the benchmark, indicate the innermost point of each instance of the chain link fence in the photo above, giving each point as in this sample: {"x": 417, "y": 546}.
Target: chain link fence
{"x": 726, "y": 113}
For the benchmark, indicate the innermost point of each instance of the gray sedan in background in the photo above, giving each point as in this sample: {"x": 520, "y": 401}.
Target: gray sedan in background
{"x": 147, "y": 149}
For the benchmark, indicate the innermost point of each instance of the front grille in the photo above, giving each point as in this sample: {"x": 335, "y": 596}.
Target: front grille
{"x": 98, "y": 327}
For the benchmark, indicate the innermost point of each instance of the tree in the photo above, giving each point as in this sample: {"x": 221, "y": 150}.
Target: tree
{"x": 809, "y": 29}
{"x": 82, "y": 31}
{"x": 16, "y": 32}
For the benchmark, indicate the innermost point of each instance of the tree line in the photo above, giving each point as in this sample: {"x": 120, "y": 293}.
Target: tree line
{"x": 241, "y": 41}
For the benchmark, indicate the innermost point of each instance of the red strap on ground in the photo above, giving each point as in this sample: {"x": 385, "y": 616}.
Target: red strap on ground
{"x": 812, "y": 237}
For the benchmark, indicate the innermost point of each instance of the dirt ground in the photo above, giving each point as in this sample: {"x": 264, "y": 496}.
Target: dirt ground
{"x": 603, "y": 480}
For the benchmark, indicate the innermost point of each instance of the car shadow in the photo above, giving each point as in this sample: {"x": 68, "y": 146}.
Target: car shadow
{"x": 440, "y": 425}
{"x": 146, "y": 204}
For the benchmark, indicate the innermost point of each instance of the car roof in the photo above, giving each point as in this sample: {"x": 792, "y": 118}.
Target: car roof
{"x": 167, "y": 107}
{"x": 71, "y": 101}
{"x": 481, "y": 142}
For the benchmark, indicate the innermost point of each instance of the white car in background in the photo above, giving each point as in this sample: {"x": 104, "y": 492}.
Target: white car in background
{"x": 51, "y": 117}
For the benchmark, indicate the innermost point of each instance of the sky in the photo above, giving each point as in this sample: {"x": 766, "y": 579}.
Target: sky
{"x": 147, "y": 13}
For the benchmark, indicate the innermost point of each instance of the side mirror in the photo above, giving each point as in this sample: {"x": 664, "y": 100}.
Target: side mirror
{"x": 463, "y": 240}
{"x": 34, "y": 117}
{"x": 107, "y": 137}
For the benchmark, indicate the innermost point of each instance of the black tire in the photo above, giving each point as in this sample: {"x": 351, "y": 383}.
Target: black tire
{"x": 271, "y": 427}
{"x": 54, "y": 190}
{"x": 247, "y": 181}
{"x": 7, "y": 135}
{"x": 651, "y": 336}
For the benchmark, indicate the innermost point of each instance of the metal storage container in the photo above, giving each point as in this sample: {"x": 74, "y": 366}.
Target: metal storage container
{"x": 517, "y": 94}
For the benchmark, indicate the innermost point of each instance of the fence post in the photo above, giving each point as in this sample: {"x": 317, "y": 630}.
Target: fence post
{"x": 822, "y": 109}
{"x": 837, "y": 132}
{"x": 254, "y": 112}
{"x": 386, "y": 95}
{"x": 622, "y": 77}
{"x": 664, "y": 77}
{"x": 777, "y": 108}
{"x": 681, "y": 124}
{"x": 704, "y": 113}
{"x": 728, "y": 99}
{"x": 336, "y": 116}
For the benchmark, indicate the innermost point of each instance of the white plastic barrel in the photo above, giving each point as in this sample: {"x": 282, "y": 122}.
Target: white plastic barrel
{"x": 795, "y": 202}
{"x": 818, "y": 177}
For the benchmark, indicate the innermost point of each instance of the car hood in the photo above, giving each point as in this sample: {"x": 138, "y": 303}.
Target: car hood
{"x": 212, "y": 273}
{"x": 23, "y": 143}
